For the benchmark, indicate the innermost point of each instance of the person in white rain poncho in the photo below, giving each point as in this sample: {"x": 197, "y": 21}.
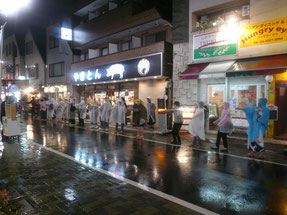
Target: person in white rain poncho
{"x": 51, "y": 108}
{"x": 59, "y": 110}
{"x": 82, "y": 111}
{"x": 196, "y": 125}
{"x": 66, "y": 109}
{"x": 105, "y": 110}
{"x": 119, "y": 114}
{"x": 94, "y": 112}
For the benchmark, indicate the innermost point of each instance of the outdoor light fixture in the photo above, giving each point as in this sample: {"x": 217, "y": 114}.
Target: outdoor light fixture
{"x": 66, "y": 34}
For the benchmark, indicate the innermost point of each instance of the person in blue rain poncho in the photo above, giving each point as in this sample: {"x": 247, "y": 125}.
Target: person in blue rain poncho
{"x": 257, "y": 118}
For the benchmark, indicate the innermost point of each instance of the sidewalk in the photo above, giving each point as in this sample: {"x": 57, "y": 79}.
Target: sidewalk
{"x": 52, "y": 185}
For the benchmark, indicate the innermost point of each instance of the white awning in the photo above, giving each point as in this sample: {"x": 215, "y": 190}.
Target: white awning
{"x": 216, "y": 69}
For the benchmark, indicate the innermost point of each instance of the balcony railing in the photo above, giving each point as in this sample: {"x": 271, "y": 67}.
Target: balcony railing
{"x": 120, "y": 56}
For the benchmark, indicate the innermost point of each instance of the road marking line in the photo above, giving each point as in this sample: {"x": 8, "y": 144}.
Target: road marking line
{"x": 183, "y": 146}
{"x": 133, "y": 183}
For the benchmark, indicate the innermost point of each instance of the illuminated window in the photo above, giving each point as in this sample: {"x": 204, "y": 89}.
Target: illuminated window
{"x": 226, "y": 15}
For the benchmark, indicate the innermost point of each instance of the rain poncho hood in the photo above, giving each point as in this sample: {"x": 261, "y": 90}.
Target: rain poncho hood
{"x": 257, "y": 122}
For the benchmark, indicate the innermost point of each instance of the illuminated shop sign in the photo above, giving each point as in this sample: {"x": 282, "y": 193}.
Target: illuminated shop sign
{"x": 147, "y": 66}
{"x": 215, "y": 44}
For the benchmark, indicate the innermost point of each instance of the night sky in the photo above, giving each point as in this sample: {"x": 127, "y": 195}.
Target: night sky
{"x": 40, "y": 13}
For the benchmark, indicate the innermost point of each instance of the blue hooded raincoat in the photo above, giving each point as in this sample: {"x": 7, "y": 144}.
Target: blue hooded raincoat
{"x": 256, "y": 125}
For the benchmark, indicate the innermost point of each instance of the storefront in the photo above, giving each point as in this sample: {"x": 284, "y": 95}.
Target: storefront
{"x": 242, "y": 83}
{"x": 130, "y": 79}
{"x": 57, "y": 91}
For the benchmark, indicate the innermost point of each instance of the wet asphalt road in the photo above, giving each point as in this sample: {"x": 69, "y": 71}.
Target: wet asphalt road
{"x": 219, "y": 183}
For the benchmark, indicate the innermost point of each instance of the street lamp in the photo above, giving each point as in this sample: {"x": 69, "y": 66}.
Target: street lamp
{"x": 7, "y": 8}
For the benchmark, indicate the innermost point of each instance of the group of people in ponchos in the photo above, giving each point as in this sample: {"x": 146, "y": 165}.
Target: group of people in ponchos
{"x": 67, "y": 110}
{"x": 257, "y": 118}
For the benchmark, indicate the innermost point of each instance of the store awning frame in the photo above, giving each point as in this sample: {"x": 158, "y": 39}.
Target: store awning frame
{"x": 266, "y": 65}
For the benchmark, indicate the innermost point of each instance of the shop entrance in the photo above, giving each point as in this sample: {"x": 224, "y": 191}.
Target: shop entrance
{"x": 281, "y": 102}
{"x": 215, "y": 101}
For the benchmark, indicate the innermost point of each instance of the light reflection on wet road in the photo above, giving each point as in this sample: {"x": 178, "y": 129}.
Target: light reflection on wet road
{"x": 220, "y": 183}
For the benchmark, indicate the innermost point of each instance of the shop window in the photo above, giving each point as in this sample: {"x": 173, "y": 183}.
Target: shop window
{"x": 29, "y": 48}
{"x": 227, "y": 15}
{"x": 53, "y": 42}
{"x": 246, "y": 95}
{"x": 105, "y": 51}
{"x": 56, "y": 69}
{"x": 126, "y": 46}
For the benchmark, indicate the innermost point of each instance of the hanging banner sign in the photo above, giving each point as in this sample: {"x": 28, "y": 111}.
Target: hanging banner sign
{"x": 264, "y": 32}
{"x": 215, "y": 44}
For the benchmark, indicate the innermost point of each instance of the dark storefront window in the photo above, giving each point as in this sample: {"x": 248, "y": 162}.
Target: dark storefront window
{"x": 56, "y": 69}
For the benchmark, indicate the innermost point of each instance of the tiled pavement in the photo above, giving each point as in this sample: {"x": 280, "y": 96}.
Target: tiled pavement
{"x": 55, "y": 185}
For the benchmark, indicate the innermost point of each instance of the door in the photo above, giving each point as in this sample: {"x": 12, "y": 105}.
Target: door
{"x": 281, "y": 102}
{"x": 215, "y": 102}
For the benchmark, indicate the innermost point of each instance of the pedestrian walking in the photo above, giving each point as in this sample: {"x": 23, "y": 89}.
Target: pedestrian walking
{"x": 105, "y": 112}
{"x": 196, "y": 125}
{"x": 43, "y": 108}
{"x": 206, "y": 117}
{"x": 94, "y": 112}
{"x": 119, "y": 114}
{"x": 177, "y": 123}
{"x": 150, "y": 113}
{"x": 82, "y": 111}
{"x": 66, "y": 107}
{"x": 72, "y": 113}
{"x": 257, "y": 118}
{"x": 139, "y": 117}
{"x": 225, "y": 126}
{"x": 51, "y": 108}
{"x": 59, "y": 110}
{"x": 34, "y": 107}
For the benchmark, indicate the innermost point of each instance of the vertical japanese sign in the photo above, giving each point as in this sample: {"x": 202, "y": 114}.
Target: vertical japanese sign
{"x": 264, "y": 32}
{"x": 215, "y": 44}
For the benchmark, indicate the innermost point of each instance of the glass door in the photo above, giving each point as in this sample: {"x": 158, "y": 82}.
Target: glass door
{"x": 216, "y": 95}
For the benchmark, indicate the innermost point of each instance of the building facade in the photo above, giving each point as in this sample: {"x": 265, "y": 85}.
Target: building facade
{"x": 59, "y": 59}
{"x": 235, "y": 52}
{"x": 35, "y": 58}
{"x": 126, "y": 52}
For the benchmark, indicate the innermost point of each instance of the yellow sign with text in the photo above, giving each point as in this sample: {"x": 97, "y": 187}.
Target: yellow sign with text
{"x": 273, "y": 31}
